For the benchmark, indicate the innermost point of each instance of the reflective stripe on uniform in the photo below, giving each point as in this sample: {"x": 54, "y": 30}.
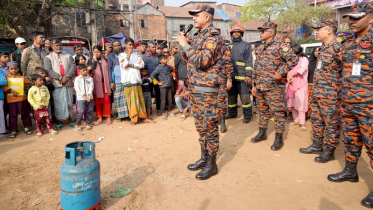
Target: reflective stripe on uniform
{"x": 239, "y": 77}
{"x": 206, "y": 89}
{"x": 246, "y": 106}
{"x": 249, "y": 68}
{"x": 232, "y": 105}
{"x": 240, "y": 63}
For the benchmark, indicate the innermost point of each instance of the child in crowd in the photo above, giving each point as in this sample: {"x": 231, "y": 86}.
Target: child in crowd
{"x": 182, "y": 99}
{"x": 4, "y": 58}
{"x": 83, "y": 86}
{"x": 80, "y": 59}
{"x": 3, "y": 82}
{"x": 39, "y": 96}
{"x": 49, "y": 84}
{"x": 17, "y": 101}
{"x": 46, "y": 79}
{"x": 163, "y": 71}
{"x": 145, "y": 86}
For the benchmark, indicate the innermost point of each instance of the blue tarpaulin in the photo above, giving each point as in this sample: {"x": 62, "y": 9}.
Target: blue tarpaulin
{"x": 222, "y": 14}
{"x": 110, "y": 39}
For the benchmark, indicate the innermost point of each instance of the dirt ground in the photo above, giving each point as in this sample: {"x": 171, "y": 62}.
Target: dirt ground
{"x": 151, "y": 159}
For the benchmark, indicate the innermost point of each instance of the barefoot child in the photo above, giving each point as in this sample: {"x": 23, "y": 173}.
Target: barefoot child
{"x": 17, "y": 103}
{"x": 83, "y": 86}
{"x": 39, "y": 96}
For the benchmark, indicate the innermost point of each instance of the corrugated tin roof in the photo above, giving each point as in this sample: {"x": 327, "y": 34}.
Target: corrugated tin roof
{"x": 181, "y": 12}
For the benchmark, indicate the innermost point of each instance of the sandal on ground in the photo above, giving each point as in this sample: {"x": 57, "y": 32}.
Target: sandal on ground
{"x": 293, "y": 123}
{"x": 27, "y": 131}
{"x": 147, "y": 120}
{"x": 182, "y": 117}
{"x": 71, "y": 125}
{"x": 99, "y": 121}
{"x": 54, "y": 132}
{"x": 78, "y": 129}
{"x": 172, "y": 114}
{"x": 119, "y": 119}
{"x": 88, "y": 127}
{"x": 304, "y": 128}
{"x": 39, "y": 134}
{"x": 12, "y": 135}
{"x": 164, "y": 117}
{"x": 132, "y": 123}
{"x": 150, "y": 118}
{"x": 108, "y": 122}
{"x": 59, "y": 127}
{"x": 2, "y": 137}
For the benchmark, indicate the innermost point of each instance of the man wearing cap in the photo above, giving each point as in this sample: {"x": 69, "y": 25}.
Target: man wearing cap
{"x": 269, "y": 78}
{"x": 326, "y": 98}
{"x": 208, "y": 59}
{"x": 34, "y": 55}
{"x": 241, "y": 78}
{"x": 357, "y": 93}
{"x": 17, "y": 54}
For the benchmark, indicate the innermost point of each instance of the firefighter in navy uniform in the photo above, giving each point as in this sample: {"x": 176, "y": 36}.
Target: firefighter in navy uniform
{"x": 241, "y": 55}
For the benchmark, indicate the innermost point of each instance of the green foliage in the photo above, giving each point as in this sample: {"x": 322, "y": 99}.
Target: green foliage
{"x": 305, "y": 41}
{"x": 265, "y": 10}
{"x": 300, "y": 14}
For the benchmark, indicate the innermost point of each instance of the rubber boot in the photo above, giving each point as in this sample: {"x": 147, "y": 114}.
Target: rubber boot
{"x": 201, "y": 162}
{"x": 279, "y": 142}
{"x": 368, "y": 201}
{"x": 209, "y": 170}
{"x": 315, "y": 148}
{"x": 326, "y": 156}
{"x": 262, "y": 135}
{"x": 349, "y": 173}
{"x": 223, "y": 127}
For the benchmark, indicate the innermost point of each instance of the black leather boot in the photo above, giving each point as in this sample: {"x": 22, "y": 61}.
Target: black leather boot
{"x": 349, "y": 173}
{"x": 230, "y": 117}
{"x": 315, "y": 148}
{"x": 223, "y": 127}
{"x": 209, "y": 170}
{"x": 201, "y": 162}
{"x": 368, "y": 201}
{"x": 246, "y": 120}
{"x": 262, "y": 135}
{"x": 326, "y": 156}
{"x": 279, "y": 142}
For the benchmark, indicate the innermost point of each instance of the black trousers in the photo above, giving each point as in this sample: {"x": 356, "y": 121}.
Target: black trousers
{"x": 166, "y": 97}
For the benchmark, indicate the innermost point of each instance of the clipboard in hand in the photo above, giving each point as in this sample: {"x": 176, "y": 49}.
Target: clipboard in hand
{"x": 16, "y": 84}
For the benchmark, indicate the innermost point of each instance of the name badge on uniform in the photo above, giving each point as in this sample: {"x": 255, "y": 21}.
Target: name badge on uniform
{"x": 356, "y": 67}
{"x": 319, "y": 64}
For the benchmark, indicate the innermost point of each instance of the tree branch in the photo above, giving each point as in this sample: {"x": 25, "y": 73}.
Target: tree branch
{"x": 62, "y": 7}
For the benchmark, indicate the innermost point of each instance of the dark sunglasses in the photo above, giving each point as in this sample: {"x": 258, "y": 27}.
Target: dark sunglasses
{"x": 166, "y": 52}
{"x": 23, "y": 43}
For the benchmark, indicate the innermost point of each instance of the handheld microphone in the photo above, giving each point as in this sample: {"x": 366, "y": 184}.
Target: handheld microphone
{"x": 186, "y": 31}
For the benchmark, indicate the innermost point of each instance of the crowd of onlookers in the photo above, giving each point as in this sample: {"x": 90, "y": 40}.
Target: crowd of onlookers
{"x": 43, "y": 83}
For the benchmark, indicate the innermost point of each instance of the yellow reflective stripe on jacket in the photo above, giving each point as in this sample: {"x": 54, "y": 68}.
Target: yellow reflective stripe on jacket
{"x": 232, "y": 105}
{"x": 239, "y": 77}
{"x": 246, "y": 106}
{"x": 249, "y": 68}
{"x": 240, "y": 63}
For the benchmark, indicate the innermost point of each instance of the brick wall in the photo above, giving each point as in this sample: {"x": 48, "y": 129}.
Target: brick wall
{"x": 155, "y": 26}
